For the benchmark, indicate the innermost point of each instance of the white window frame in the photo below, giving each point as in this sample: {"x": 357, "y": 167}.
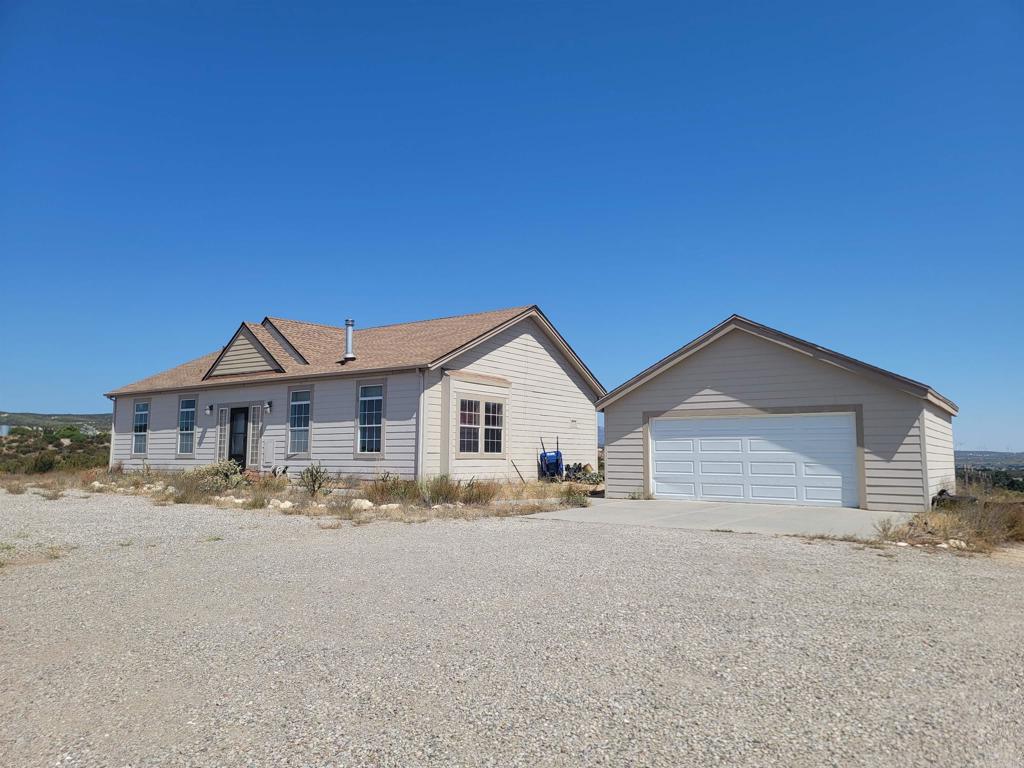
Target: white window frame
{"x": 501, "y": 429}
{"x": 478, "y": 412}
{"x": 192, "y": 432}
{"x": 360, "y": 385}
{"x": 149, "y": 425}
{"x": 308, "y": 428}
{"x": 481, "y": 426}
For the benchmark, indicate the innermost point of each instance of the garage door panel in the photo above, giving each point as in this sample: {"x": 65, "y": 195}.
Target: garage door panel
{"x": 732, "y": 492}
{"x": 771, "y": 468}
{"x": 683, "y": 446}
{"x": 676, "y": 489}
{"x": 673, "y": 467}
{"x": 721, "y": 468}
{"x": 715, "y": 445}
{"x": 802, "y": 459}
{"x": 780, "y": 493}
{"x": 824, "y": 495}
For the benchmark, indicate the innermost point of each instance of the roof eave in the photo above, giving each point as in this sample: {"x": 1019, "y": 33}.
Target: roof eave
{"x": 219, "y": 382}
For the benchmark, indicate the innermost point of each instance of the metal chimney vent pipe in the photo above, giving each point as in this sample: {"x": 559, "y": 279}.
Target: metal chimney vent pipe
{"x": 350, "y": 350}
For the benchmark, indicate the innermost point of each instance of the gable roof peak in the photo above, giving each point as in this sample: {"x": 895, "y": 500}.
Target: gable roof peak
{"x": 818, "y": 352}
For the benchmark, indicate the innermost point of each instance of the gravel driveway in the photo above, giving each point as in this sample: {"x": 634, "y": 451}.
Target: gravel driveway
{"x": 191, "y": 636}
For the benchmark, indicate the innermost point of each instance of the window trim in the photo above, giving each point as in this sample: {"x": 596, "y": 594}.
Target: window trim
{"x": 149, "y": 426}
{"x": 456, "y": 437}
{"x": 288, "y": 423}
{"x": 478, "y": 412}
{"x": 484, "y": 428}
{"x": 195, "y": 423}
{"x": 377, "y": 455}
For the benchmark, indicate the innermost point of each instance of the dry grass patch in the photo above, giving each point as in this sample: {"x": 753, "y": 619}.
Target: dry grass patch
{"x": 980, "y": 520}
{"x": 979, "y": 526}
{"x": 57, "y": 551}
{"x": 13, "y": 485}
{"x": 573, "y": 495}
{"x": 535, "y": 489}
{"x": 392, "y": 489}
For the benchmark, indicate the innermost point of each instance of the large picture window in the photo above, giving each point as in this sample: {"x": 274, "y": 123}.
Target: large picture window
{"x": 371, "y": 418}
{"x": 298, "y": 422}
{"x": 140, "y": 428}
{"x": 186, "y": 426}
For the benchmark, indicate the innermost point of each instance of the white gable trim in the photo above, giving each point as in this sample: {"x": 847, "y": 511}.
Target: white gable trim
{"x": 736, "y": 323}
{"x": 549, "y": 330}
{"x": 270, "y": 360}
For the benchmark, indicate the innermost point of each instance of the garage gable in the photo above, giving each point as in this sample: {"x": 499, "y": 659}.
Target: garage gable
{"x": 811, "y": 351}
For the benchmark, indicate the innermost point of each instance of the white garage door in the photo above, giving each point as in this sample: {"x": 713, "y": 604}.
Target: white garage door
{"x": 791, "y": 459}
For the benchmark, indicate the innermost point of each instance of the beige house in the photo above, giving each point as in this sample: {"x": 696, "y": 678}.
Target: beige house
{"x": 747, "y": 413}
{"x": 468, "y": 396}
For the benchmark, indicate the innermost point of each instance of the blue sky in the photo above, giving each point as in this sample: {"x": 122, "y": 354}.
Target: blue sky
{"x": 849, "y": 173}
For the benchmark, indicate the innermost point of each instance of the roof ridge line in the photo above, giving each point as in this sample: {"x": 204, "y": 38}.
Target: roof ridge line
{"x": 522, "y": 308}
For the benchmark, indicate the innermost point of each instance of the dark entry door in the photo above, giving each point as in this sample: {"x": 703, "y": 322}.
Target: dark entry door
{"x": 238, "y": 435}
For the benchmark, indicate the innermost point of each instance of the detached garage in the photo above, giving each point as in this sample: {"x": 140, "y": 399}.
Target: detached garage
{"x": 748, "y": 413}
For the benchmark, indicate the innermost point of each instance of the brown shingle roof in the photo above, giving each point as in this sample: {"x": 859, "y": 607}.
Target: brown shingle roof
{"x": 387, "y": 347}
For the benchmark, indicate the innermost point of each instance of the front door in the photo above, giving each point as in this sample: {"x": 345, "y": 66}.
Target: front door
{"x": 238, "y": 435}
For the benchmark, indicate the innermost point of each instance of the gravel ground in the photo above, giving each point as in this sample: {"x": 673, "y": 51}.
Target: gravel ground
{"x": 192, "y": 636}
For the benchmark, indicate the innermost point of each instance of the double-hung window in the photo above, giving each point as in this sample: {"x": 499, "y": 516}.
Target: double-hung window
{"x": 298, "y": 422}
{"x": 470, "y": 425}
{"x": 371, "y": 418}
{"x": 186, "y": 426}
{"x": 140, "y": 428}
{"x": 494, "y": 418}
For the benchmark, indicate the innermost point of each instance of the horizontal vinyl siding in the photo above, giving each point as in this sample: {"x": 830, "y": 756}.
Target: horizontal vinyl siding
{"x": 432, "y": 428}
{"x": 741, "y": 370}
{"x": 938, "y": 428}
{"x": 332, "y": 436}
{"x": 546, "y": 399}
{"x": 242, "y": 357}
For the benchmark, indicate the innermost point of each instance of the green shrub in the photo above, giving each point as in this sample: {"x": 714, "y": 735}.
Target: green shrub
{"x": 442, "y": 489}
{"x": 229, "y": 470}
{"x": 39, "y": 463}
{"x": 315, "y": 479}
{"x": 573, "y": 496}
{"x": 195, "y": 486}
{"x": 480, "y": 492}
{"x": 392, "y": 489}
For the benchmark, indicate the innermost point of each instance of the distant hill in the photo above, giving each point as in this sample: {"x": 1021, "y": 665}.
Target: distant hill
{"x": 990, "y": 459}
{"x": 88, "y": 422}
